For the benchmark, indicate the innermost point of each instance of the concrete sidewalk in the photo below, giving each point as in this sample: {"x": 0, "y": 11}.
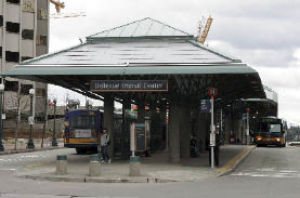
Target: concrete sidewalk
{"x": 155, "y": 169}
{"x": 9, "y": 145}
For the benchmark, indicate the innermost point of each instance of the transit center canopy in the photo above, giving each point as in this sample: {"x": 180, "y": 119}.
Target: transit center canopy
{"x": 146, "y": 49}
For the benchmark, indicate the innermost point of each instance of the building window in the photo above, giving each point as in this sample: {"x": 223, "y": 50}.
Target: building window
{"x": 1, "y": 20}
{"x": 25, "y": 89}
{"x": 11, "y": 86}
{"x": 13, "y": 27}
{"x": 12, "y": 56}
{"x": 0, "y": 52}
{"x": 40, "y": 92}
{"x": 28, "y": 6}
{"x": 13, "y": 1}
{"x": 24, "y": 58}
{"x": 27, "y": 34}
{"x": 41, "y": 40}
{"x": 42, "y": 14}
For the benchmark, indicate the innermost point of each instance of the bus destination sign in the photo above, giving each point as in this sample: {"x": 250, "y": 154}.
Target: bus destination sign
{"x": 129, "y": 85}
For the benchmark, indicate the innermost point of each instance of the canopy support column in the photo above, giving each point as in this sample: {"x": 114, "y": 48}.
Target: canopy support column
{"x": 108, "y": 121}
{"x": 174, "y": 127}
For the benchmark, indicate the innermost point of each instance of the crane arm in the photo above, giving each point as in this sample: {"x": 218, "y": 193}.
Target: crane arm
{"x": 206, "y": 29}
{"x": 58, "y": 5}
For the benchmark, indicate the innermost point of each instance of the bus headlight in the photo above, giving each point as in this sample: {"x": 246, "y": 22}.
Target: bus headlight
{"x": 258, "y": 138}
{"x": 278, "y": 139}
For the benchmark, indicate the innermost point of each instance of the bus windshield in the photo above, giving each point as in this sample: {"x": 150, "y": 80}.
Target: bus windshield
{"x": 275, "y": 128}
{"x": 269, "y": 127}
{"x": 83, "y": 122}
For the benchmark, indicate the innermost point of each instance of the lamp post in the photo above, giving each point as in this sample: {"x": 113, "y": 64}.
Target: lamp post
{"x": 1, "y": 94}
{"x": 54, "y": 142}
{"x": 30, "y": 144}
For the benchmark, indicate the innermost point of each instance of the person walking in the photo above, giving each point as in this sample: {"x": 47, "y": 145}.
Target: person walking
{"x": 104, "y": 142}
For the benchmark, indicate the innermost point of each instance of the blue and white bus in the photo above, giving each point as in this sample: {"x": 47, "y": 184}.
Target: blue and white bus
{"x": 82, "y": 129}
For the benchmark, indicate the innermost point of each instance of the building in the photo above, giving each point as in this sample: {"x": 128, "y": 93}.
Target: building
{"x": 24, "y": 34}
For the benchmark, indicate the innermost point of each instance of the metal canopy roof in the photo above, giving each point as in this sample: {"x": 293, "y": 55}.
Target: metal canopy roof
{"x": 53, "y": 70}
{"x": 133, "y": 51}
{"x": 139, "y": 51}
{"x": 141, "y": 28}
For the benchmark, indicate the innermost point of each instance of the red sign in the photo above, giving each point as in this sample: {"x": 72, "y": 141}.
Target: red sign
{"x": 212, "y": 92}
{"x": 248, "y": 110}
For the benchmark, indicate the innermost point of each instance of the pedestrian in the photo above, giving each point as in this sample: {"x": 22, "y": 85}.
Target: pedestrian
{"x": 104, "y": 142}
{"x": 193, "y": 147}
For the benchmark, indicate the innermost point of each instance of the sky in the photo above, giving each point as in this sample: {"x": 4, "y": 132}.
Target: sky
{"x": 262, "y": 33}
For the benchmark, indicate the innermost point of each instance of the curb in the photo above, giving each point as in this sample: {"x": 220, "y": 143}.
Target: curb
{"x": 294, "y": 143}
{"x": 29, "y": 150}
{"x": 232, "y": 164}
{"x": 87, "y": 179}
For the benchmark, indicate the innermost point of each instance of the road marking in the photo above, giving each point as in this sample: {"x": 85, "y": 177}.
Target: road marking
{"x": 34, "y": 165}
{"x": 269, "y": 173}
{"x": 232, "y": 161}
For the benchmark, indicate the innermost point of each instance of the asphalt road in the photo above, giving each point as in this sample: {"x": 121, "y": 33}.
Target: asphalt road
{"x": 267, "y": 172}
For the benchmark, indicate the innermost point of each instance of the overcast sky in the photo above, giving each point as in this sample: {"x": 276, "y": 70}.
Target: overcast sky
{"x": 265, "y": 34}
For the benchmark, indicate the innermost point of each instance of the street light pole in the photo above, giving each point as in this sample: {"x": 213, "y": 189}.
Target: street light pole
{"x": 30, "y": 144}
{"x": 1, "y": 95}
{"x": 54, "y": 142}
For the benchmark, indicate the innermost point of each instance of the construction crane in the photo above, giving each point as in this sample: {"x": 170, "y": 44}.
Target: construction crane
{"x": 201, "y": 35}
{"x": 58, "y": 5}
{"x": 67, "y": 15}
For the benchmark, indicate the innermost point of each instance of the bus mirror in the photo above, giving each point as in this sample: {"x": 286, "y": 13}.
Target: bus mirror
{"x": 67, "y": 124}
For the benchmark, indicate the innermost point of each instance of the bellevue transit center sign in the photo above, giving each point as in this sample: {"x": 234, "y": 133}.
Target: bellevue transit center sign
{"x": 129, "y": 85}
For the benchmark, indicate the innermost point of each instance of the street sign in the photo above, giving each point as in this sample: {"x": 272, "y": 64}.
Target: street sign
{"x": 212, "y": 139}
{"x": 31, "y": 120}
{"x": 212, "y": 92}
{"x": 244, "y": 116}
{"x": 205, "y": 106}
{"x": 129, "y": 85}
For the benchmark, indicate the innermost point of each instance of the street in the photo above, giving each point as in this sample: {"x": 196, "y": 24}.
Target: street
{"x": 266, "y": 172}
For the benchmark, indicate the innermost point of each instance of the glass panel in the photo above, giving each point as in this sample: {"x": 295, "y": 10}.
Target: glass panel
{"x": 83, "y": 122}
{"x": 275, "y": 128}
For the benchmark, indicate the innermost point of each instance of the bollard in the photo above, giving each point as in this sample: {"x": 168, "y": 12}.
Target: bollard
{"x": 61, "y": 164}
{"x": 134, "y": 166}
{"x": 95, "y": 166}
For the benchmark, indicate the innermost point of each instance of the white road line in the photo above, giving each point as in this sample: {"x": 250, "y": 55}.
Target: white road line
{"x": 269, "y": 173}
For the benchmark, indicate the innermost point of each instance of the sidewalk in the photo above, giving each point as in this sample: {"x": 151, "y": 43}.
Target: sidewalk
{"x": 155, "y": 169}
{"x": 9, "y": 145}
